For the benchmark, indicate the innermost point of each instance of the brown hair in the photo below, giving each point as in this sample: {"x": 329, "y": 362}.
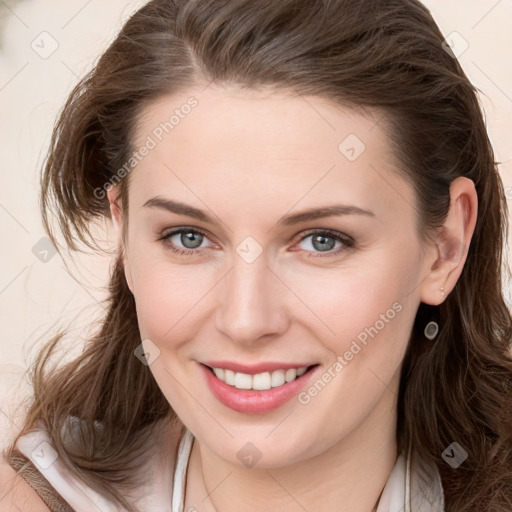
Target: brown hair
{"x": 382, "y": 54}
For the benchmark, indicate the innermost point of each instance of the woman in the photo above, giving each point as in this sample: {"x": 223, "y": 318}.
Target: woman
{"x": 306, "y": 309}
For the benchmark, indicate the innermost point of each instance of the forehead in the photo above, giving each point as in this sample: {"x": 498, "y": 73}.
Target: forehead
{"x": 259, "y": 120}
{"x": 265, "y": 149}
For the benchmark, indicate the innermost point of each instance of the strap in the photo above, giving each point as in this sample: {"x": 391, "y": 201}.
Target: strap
{"x": 36, "y": 446}
{"x": 180, "y": 471}
{"x": 27, "y": 470}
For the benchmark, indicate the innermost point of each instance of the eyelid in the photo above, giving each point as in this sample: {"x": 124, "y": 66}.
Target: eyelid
{"x": 331, "y": 232}
{"x": 166, "y": 233}
{"x": 347, "y": 241}
{"x": 169, "y": 233}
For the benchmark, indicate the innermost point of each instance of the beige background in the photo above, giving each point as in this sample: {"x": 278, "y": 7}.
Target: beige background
{"x": 36, "y": 297}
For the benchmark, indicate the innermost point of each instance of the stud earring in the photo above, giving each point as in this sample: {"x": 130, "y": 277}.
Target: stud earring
{"x": 431, "y": 330}
{"x": 442, "y": 292}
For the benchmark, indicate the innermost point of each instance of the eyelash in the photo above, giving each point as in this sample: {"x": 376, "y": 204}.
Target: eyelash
{"x": 346, "y": 240}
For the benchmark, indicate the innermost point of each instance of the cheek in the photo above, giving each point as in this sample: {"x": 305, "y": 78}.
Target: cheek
{"x": 360, "y": 302}
{"x": 167, "y": 296}
{"x": 371, "y": 311}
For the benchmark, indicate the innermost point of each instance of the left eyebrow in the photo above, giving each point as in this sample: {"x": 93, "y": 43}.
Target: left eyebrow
{"x": 310, "y": 214}
{"x": 327, "y": 211}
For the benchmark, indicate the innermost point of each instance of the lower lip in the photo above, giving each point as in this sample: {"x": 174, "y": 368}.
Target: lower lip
{"x": 255, "y": 402}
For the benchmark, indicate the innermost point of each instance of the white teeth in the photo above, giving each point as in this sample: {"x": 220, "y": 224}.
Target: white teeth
{"x": 219, "y": 373}
{"x": 243, "y": 381}
{"x": 290, "y": 375}
{"x": 229, "y": 377}
{"x": 259, "y": 381}
{"x": 278, "y": 378}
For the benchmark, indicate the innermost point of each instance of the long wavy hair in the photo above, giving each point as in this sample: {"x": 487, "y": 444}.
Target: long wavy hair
{"x": 383, "y": 54}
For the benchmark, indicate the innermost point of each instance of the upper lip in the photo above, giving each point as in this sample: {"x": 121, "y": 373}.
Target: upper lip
{"x": 253, "y": 369}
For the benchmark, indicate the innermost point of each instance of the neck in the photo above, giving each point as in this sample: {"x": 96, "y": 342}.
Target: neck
{"x": 349, "y": 476}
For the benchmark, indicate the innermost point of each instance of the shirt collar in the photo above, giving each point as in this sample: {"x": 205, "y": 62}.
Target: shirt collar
{"x": 410, "y": 488}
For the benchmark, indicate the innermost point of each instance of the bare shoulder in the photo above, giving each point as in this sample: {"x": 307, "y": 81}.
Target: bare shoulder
{"x": 15, "y": 493}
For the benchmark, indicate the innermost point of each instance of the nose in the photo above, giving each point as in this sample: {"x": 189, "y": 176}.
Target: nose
{"x": 252, "y": 305}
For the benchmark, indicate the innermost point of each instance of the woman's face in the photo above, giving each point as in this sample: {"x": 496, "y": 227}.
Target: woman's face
{"x": 266, "y": 233}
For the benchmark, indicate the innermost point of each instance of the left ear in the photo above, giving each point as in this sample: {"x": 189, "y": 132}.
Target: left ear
{"x": 450, "y": 248}
{"x": 116, "y": 213}
{"x": 115, "y": 210}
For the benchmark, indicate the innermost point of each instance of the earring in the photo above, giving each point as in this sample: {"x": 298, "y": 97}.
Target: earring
{"x": 442, "y": 292}
{"x": 431, "y": 330}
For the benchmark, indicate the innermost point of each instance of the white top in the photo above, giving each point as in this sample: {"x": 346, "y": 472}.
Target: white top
{"x": 407, "y": 489}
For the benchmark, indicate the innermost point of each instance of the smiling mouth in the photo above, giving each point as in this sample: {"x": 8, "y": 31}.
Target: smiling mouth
{"x": 259, "y": 381}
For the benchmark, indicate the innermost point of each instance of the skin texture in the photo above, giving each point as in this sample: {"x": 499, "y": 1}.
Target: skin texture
{"x": 249, "y": 158}
{"x": 16, "y": 494}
